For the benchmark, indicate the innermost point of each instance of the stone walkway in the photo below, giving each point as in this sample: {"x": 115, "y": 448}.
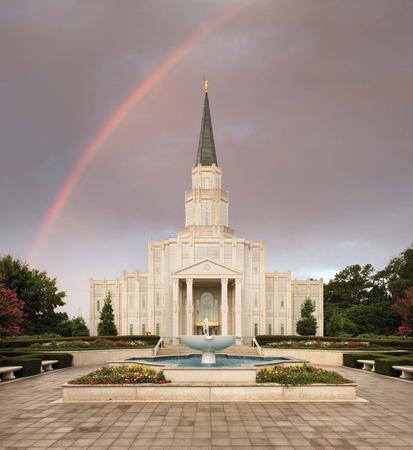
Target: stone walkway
{"x": 32, "y": 417}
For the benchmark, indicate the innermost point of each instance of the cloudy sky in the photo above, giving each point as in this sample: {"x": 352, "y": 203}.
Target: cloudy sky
{"x": 312, "y": 108}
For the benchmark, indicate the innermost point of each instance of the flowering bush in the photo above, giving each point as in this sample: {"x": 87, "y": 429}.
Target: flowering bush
{"x": 404, "y": 306}
{"x": 295, "y": 375}
{"x": 11, "y": 312}
{"x": 83, "y": 344}
{"x": 318, "y": 344}
{"x": 125, "y": 374}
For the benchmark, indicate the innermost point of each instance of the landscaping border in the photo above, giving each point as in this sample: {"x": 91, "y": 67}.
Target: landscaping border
{"x": 207, "y": 392}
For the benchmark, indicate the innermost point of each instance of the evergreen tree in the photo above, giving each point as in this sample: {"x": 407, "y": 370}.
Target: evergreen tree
{"x": 307, "y": 325}
{"x": 106, "y": 326}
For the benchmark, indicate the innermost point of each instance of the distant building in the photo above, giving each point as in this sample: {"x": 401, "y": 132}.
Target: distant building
{"x": 207, "y": 271}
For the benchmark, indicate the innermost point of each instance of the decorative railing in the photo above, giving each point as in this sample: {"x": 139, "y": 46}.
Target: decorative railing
{"x": 157, "y": 346}
{"x": 254, "y": 343}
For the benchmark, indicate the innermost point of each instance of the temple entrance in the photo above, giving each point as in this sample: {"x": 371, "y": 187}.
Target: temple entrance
{"x": 207, "y": 307}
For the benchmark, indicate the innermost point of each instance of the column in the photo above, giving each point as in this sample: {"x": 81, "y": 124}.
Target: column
{"x": 224, "y": 306}
{"x": 189, "y": 307}
{"x": 238, "y": 316}
{"x": 175, "y": 308}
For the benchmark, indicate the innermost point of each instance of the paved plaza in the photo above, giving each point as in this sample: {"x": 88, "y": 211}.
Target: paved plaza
{"x": 32, "y": 416}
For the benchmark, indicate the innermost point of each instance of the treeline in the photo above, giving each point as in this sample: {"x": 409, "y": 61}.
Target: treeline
{"x": 360, "y": 300}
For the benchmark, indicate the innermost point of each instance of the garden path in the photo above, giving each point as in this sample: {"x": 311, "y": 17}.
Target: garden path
{"x": 33, "y": 417}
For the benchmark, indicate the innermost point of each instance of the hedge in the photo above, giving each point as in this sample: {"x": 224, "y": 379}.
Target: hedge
{"x": 350, "y": 359}
{"x": 18, "y": 343}
{"x": 384, "y": 365}
{"x": 65, "y": 359}
{"x": 398, "y": 343}
{"x": 31, "y": 365}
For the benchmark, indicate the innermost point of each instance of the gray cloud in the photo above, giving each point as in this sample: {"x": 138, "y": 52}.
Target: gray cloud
{"x": 312, "y": 106}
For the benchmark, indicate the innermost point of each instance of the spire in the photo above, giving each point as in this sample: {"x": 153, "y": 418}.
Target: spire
{"x": 206, "y": 155}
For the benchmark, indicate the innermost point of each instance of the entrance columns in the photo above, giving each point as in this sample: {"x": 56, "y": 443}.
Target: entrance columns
{"x": 224, "y": 306}
{"x": 189, "y": 307}
{"x": 175, "y": 308}
{"x": 238, "y": 317}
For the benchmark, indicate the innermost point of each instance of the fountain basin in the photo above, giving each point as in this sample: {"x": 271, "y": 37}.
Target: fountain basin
{"x": 208, "y": 345}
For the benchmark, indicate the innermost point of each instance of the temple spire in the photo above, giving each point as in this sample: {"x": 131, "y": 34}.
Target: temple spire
{"x": 206, "y": 155}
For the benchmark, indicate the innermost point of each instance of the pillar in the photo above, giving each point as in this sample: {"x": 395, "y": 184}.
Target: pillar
{"x": 175, "y": 308}
{"x": 238, "y": 317}
{"x": 189, "y": 307}
{"x": 224, "y": 306}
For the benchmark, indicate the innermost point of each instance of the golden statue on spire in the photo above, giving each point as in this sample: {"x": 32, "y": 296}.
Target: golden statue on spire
{"x": 206, "y": 85}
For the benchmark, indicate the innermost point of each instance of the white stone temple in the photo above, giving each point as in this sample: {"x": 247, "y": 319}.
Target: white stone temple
{"x": 207, "y": 271}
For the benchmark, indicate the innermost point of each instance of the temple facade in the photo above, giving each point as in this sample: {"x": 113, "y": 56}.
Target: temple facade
{"x": 207, "y": 271}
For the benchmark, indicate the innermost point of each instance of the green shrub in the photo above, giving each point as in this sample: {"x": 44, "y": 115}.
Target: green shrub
{"x": 64, "y": 359}
{"x": 34, "y": 336}
{"x": 31, "y": 365}
{"x": 297, "y": 375}
{"x": 350, "y": 359}
{"x": 384, "y": 365}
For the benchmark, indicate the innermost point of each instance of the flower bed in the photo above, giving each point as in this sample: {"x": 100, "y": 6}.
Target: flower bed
{"x": 401, "y": 343}
{"x": 299, "y": 375}
{"x": 324, "y": 345}
{"x": 81, "y": 344}
{"x": 139, "y": 384}
{"x": 122, "y": 375}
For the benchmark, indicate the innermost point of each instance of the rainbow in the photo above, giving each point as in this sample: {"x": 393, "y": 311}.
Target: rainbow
{"x": 141, "y": 89}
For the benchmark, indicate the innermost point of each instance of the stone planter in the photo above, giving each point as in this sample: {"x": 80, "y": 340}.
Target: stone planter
{"x": 208, "y": 392}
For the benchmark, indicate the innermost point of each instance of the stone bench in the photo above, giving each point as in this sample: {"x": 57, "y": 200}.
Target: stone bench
{"x": 47, "y": 365}
{"x": 406, "y": 372}
{"x": 8, "y": 372}
{"x": 368, "y": 364}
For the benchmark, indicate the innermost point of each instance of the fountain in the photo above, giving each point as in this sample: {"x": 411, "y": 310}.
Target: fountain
{"x": 208, "y": 344}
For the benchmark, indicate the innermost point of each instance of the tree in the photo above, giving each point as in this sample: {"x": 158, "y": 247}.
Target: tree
{"x": 335, "y": 323}
{"x": 398, "y": 275}
{"x": 106, "y": 326}
{"x": 359, "y": 296}
{"x": 39, "y": 293}
{"x": 404, "y": 306}
{"x": 350, "y": 286}
{"x": 74, "y": 327}
{"x": 307, "y": 325}
{"x": 79, "y": 327}
{"x": 11, "y": 312}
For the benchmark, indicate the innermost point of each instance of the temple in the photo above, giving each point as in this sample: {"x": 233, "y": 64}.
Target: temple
{"x": 207, "y": 271}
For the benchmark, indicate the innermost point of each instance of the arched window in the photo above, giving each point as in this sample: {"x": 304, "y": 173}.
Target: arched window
{"x": 131, "y": 328}
{"x": 98, "y": 305}
{"x": 255, "y": 329}
{"x": 157, "y": 329}
{"x": 207, "y": 306}
{"x": 143, "y": 329}
{"x": 270, "y": 328}
{"x": 282, "y": 329}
